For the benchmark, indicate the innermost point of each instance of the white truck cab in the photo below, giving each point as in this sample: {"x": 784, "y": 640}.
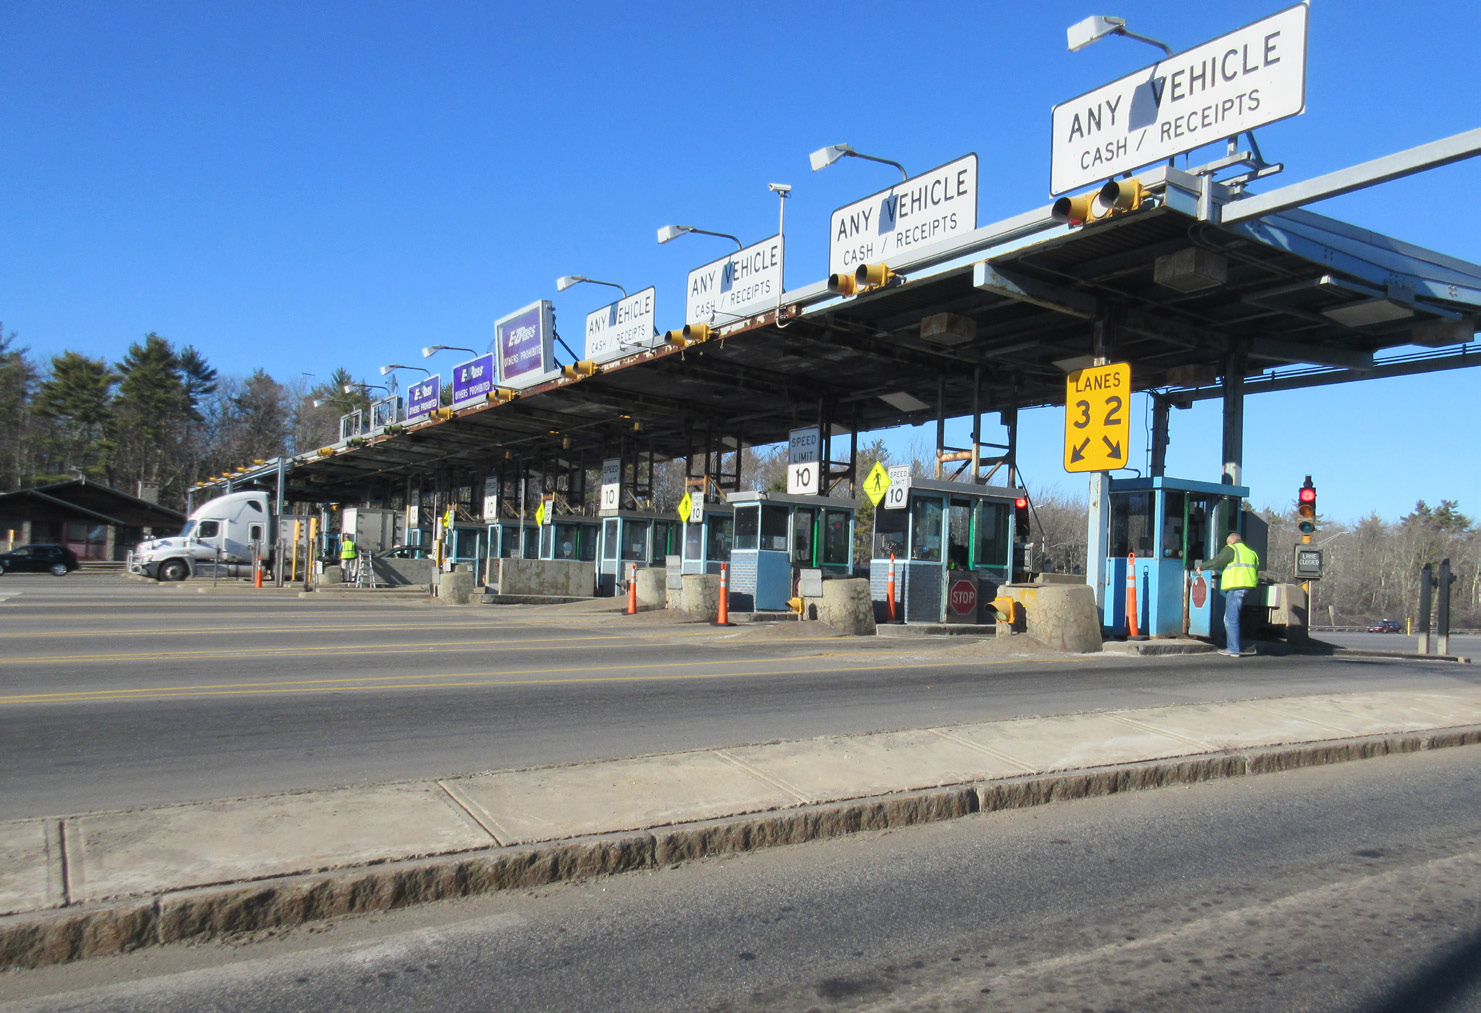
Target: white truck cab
{"x": 223, "y": 534}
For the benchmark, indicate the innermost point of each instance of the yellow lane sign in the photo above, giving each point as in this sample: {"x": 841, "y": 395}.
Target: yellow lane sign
{"x": 876, "y": 483}
{"x": 685, "y": 505}
{"x": 1097, "y": 418}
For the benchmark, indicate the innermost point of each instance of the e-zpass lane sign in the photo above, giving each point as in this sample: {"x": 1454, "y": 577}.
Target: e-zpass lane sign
{"x": 1246, "y": 79}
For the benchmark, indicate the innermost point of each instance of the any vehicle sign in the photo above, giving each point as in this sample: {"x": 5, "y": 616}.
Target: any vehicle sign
{"x": 624, "y": 327}
{"x": 901, "y": 225}
{"x": 1237, "y": 82}
{"x": 741, "y": 285}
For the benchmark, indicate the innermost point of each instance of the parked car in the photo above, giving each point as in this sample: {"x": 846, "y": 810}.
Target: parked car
{"x": 57, "y": 560}
{"x": 1386, "y": 626}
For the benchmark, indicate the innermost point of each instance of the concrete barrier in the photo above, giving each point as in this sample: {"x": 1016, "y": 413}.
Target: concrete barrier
{"x": 1062, "y": 617}
{"x": 701, "y": 595}
{"x": 398, "y": 572}
{"x": 652, "y": 588}
{"x": 845, "y": 605}
{"x": 571, "y": 578}
{"x": 455, "y": 588}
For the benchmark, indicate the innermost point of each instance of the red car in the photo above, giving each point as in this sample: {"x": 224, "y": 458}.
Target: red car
{"x": 1386, "y": 626}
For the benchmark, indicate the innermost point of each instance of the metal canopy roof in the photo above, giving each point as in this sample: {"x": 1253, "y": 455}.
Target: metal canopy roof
{"x": 1297, "y": 288}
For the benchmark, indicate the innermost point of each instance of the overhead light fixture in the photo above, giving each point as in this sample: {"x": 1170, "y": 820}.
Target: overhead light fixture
{"x": 432, "y": 350}
{"x": 824, "y": 157}
{"x": 565, "y": 281}
{"x": 1097, "y": 27}
{"x": 672, "y": 232}
{"x": 386, "y": 370}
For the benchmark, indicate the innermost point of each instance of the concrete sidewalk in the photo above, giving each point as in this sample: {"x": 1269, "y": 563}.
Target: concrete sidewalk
{"x": 106, "y": 882}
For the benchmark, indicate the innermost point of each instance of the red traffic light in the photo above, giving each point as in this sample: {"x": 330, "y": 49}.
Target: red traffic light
{"x": 1308, "y": 495}
{"x": 1021, "y": 503}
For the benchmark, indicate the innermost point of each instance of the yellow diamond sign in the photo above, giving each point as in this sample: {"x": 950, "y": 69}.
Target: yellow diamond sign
{"x": 685, "y": 506}
{"x": 876, "y": 483}
{"x": 540, "y": 514}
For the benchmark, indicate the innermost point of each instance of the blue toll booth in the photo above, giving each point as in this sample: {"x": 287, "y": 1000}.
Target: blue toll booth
{"x": 466, "y": 544}
{"x": 943, "y": 533}
{"x": 707, "y": 538}
{"x": 776, "y": 536}
{"x": 1161, "y": 529}
{"x": 631, "y": 536}
{"x": 570, "y": 538}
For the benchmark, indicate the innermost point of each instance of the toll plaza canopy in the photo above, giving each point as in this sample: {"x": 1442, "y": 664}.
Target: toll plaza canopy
{"x": 1198, "y": 283}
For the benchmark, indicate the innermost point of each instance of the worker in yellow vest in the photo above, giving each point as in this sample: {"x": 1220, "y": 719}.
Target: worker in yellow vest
{"x": 1239, "y": 570}
{"x": 347, "y": 555}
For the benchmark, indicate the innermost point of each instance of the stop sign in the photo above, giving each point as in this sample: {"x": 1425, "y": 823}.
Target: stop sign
{"x": 963, "y": 598}
{"x": 1200, "y": 592}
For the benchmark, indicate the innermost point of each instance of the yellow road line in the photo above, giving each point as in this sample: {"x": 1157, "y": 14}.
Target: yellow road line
{"x": 206, "y": 654}
{"x": 315, "y": 628}
{"x": 337, "y": 685}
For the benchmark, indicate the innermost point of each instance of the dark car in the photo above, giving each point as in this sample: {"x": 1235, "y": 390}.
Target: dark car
{"x": 40, "y": 558}
{"x": 1386, "y": 626}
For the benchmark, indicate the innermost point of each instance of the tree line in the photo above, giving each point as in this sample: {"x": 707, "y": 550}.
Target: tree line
{"x": 155, "y": 421}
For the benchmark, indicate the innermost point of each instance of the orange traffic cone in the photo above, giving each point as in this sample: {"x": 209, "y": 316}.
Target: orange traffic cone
{"x": 724, "y": 617}
{"x": 632, "y": 591}
{"x": 889, "y": 589}
{"x": 1132, "y": 629}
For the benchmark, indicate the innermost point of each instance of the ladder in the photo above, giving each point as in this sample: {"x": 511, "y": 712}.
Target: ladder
{"x": 364, "y": 570}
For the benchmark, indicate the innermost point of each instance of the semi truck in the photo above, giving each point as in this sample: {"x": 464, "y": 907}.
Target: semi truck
{"x": 222, "y": 536}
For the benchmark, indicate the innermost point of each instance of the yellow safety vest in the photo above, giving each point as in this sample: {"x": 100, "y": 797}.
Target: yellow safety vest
{"x": 1244, "y": 571}
{"x": 347, "y": 549}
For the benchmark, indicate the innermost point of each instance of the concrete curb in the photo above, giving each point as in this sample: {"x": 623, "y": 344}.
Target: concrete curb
{"x": 54, "y": 937}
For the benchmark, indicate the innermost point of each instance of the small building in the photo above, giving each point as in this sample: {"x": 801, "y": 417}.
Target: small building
{"x": 92, "y": 520}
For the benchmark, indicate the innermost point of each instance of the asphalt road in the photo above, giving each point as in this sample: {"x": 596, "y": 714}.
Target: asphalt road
{"x": 1355, "y": 887}
{"x": 117, "y": 693}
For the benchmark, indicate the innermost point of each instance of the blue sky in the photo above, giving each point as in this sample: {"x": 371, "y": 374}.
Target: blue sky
{"x": 298, "y": 187}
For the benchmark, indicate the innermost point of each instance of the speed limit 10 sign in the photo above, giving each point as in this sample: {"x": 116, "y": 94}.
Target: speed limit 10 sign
{"x": 802, "y": 479}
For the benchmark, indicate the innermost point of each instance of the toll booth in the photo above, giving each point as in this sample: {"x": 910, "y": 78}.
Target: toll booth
{"x": 1161, "y": 530}
{"x": 707, "y": 541}
{"x": 943, "y": 533}
{"x": 776, "y": 535}
{"x": 570, "y": 538}
{"x": 504, "y": 540}
{"x": 633, "y": 536}
{"x": 466, "y": 544}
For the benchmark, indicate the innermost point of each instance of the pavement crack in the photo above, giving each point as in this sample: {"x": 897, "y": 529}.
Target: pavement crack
{"x": 775, "y": 782}
{"x": 477, "y": 814}
{"x": 988, "y": 750}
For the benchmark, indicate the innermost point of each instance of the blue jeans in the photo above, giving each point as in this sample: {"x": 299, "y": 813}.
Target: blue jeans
{"x": 1233, "y": 602}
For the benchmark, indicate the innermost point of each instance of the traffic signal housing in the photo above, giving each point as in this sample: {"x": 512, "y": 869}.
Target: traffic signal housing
{"x": 1020, "y": 519}
{"x": 1116, "y": 197}
{"x": 1306, "y": 510}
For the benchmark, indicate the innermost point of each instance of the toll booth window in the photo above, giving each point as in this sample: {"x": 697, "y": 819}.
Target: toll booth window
{"x": 663, "y": 541}
{"x": 1200, "y": 516}
{"x": 694, "y": 536}
{"x": 208, "y": 529}
{"x": 1131, "y": 524}
{"x": 958, "y": 533}
{"x": 722, "y": 534}
{"x": 838, "y": 537}
{"x": 747, "y": 527}
{"x": 532, "y": 543}
{"x": 803, "y": 521}
{"x": 889, "y": 532}
{"x": 609, "y": 539}
{"x": 547, "y": 541}
{"x": 925, "y": 542}
{"x": 992, "y": 534}
{"x": 566, "y": 538}
{"x": 635, "y": 541}
{"x": 503, "y": 539}
{"x": 1174, "y": 505}
{"x": 774, "y": 528}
